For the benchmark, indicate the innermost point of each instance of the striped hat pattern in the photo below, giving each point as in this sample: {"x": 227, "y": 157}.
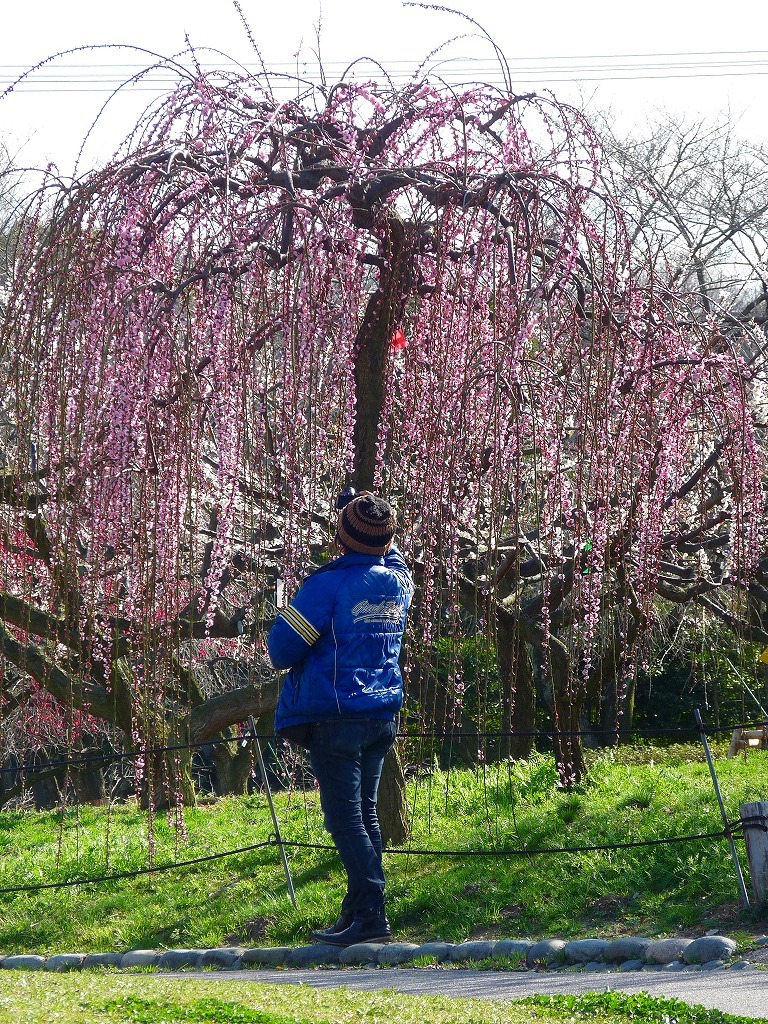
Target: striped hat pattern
{"x": 367, "y": 525}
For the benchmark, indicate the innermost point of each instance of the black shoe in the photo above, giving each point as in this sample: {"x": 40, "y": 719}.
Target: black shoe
{"x": 373, "y": 928}
{"x": 342, "y": 922}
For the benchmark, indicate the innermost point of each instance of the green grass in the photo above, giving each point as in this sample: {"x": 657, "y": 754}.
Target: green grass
{"x": 637, "y": 794}
{"x": 121, "y": 999}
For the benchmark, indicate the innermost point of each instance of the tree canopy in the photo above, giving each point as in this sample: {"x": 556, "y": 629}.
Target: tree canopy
{"x": 438, "y": 294}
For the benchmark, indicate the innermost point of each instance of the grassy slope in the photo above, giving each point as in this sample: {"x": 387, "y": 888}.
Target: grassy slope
{"x": 652, "y": 890}
{"x": 102, "y": 999}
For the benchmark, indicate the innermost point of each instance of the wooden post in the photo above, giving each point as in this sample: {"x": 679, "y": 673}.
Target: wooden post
{"x": 755, "y": 819}
{"x": 748, "y": 739}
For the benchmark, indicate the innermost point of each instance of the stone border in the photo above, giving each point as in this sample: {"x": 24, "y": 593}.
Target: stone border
{"x": 710, "y": 952}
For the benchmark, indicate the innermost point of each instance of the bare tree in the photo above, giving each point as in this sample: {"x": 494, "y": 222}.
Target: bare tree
{"x": 703, "y": 193}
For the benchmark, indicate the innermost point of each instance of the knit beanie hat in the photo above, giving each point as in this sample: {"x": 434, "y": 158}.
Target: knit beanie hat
{"x": 367, "y": 525}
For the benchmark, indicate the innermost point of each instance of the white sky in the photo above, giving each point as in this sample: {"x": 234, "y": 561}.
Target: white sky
{"x": 48, "y": 118}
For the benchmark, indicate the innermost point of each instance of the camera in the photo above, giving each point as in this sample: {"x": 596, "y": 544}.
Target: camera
{"x": 344, "y": 497}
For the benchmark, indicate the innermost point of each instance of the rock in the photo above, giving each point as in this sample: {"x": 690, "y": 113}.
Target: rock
{"x": 439, "y": 950}
{"x": 713, "y": 965}
{"x": 64, "y": 962}
{"x": 317, "y": 954}
{"x": 267, "y": 956}
{"x": 361, "y": 953}
{"x": 548, "y": 951}
{"x": 762, "y": 941}
{"x": 465, "y": 951}
{"x": 512, "y": 947}
{"x": 631, "y": 965}
{"x": 663, "y": 951}
{"x": 395, "y": 953}
{"x": 140, "y": 958}
{"x": 710, "y": 947}
{"x": 579, "y": 951}
{"x": 24, "y": 962}
{"x": 627, "y": 948}
{"x": 676, "y": 965}
{"x": 177, "y": 959}
{"x": 102, "y": 960}
{"x": 740, "y": 965}
{"x": 221, "y": 958}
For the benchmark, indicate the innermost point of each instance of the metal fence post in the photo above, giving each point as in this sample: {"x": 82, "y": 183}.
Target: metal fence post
{"x": 726, "y": 823}
{"x": 275, "y": 823}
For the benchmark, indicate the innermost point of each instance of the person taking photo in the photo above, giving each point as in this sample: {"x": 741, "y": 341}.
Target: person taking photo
{"x": 340, "y": 640}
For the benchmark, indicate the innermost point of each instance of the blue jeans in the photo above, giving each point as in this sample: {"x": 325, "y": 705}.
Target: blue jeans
{"x": 347, "y": 756}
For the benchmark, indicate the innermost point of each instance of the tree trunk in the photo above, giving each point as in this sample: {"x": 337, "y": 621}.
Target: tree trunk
{"x": 88, "y": 777}
{"x": 382, "y": 315}
{"x": 370, "y": 364}
{"x": 518, "y": 688}
{"x": 373, "y": 339}
{"x": 233, "y": 763}
{"x": 568, "y": 698}
{"x": 617, "y": 708}
{"x": 608, "y": 685}
{"x": 391, "y": 806}
{"x": 225, "y": 709}
{"x": 167, "y": 779}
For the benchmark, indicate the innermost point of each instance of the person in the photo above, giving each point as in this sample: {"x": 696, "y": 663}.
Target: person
{"x": 340, "y": 639}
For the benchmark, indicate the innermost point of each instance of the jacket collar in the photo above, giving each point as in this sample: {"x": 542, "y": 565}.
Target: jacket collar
{"x": 352, "y": 558}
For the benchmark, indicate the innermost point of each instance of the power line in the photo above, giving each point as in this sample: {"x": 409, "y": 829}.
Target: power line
{"x": 544, "y": 81}
{"x": 101, "y": 77}
{"x": 292, "y": 64}
{"x": 120, "y": 72}
{"x": 728, "y": 67}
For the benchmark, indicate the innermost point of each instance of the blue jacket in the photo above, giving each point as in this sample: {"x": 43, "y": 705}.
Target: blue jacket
{"x": 340, "y": 637}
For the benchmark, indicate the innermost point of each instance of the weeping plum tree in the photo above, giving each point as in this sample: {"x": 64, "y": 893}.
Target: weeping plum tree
{"x": 425, "y": 291}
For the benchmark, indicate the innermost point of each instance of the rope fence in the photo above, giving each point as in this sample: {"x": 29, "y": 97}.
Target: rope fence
{"x": 732, "y": 829}
{"x": 409, "y": 852}
{"x": 93, "y": 759}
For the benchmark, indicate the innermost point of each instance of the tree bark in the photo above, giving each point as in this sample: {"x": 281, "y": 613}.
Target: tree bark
{"x": 216, "y": 717}
{"x": 382, "y": 314}
{"x": 391, "y": 805}
{"x": 225, "y": 709}
{"x": 568, "y": 700}
{"x": 518, "y": 688}
{"x": 88, "y": 778}
{"x": 233, "y": 763}
{"x": 167, "y": 779}
{"x": 373, "y": 338}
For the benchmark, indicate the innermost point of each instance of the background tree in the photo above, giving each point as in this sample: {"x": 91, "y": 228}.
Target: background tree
{"x": 702, "y": 192}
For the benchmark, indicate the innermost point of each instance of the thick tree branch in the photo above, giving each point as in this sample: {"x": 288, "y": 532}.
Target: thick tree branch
{"x": 31, "y": 660}
{"x": 226, "y": 709}
{"x": 740, "y": 627}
